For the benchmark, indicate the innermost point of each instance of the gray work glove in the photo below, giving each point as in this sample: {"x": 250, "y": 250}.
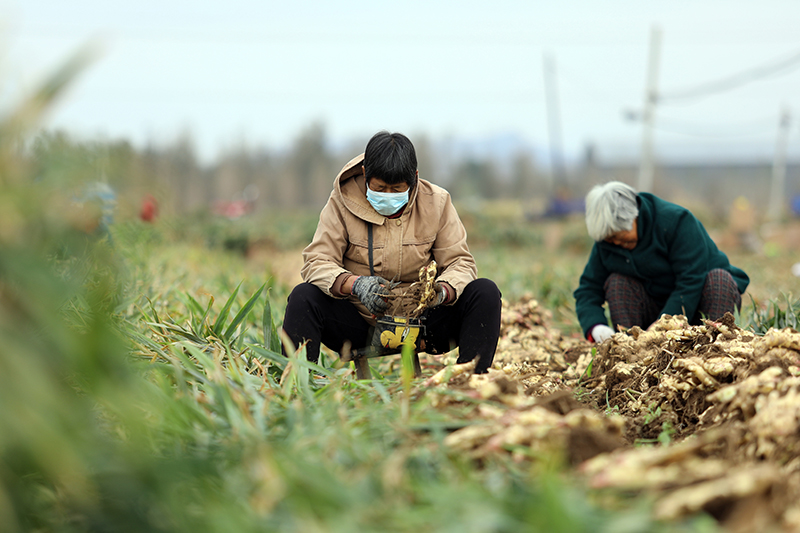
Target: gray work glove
{"x": 372, "y": 291}
{"x": 601, "y": 332}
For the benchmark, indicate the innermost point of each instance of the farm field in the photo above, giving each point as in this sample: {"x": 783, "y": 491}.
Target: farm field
{"x": 145, "y": 391}
{"x": 143, "y": 386}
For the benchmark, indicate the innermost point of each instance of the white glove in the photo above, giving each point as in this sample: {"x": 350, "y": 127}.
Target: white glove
{"x": 601, "y": 332}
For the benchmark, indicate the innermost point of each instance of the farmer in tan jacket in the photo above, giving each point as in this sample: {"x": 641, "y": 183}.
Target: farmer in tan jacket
{"x": 380, "y": 226}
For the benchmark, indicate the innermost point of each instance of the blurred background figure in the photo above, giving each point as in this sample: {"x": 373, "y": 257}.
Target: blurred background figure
{"x": 243, "y": 204}
{"x": 94, "y": 208}
{"x": 149, "y": 209}
{"x": 796, "y": 205}
{"x": 564, "y": 203}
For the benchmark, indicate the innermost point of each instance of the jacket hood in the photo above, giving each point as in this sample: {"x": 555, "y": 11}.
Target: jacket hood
{"x": 351, "y": 185}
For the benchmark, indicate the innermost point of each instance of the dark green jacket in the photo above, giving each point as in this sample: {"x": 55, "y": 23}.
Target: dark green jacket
{"x": 672, "y": 257}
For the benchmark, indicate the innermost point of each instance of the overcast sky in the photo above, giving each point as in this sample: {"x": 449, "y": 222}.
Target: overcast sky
{"x": 263, "y": 71}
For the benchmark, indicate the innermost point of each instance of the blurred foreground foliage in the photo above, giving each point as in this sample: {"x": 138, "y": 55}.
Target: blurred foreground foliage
{"x": 131, "y": 404}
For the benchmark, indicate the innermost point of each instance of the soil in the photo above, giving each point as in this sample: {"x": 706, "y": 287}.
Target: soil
{"x": 702, "y": 419}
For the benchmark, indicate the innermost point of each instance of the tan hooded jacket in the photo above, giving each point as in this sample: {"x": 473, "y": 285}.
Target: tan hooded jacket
{"x": 429, "y": 228}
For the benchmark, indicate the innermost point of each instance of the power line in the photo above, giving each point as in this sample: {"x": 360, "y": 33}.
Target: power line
{"x": 671, "y": 128}
{"x": 759, "y": 127}
{"x": 775, "y": 68}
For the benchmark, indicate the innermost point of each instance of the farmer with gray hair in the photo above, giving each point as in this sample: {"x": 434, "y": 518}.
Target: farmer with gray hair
{"x": 650, "y": 258}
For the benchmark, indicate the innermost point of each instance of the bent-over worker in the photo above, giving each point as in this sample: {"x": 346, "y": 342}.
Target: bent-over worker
{"x": 650, "y": 258}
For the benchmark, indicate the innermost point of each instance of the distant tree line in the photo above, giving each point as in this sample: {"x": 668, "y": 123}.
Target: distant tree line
{"x": 299, "y": 177}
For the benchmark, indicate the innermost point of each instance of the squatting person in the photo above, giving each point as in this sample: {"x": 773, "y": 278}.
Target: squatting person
{"x": 381, "y": 224}
{"x": 650, "y": 257}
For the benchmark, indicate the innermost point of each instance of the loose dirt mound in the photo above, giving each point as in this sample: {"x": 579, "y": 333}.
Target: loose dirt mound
{"x": 702, "y": 418}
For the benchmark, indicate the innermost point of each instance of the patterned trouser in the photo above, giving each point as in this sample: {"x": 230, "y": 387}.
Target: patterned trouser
{"x": 630, "y": 305}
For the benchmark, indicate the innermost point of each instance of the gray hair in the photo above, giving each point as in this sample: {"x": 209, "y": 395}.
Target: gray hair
{"x": 610, "y": 207}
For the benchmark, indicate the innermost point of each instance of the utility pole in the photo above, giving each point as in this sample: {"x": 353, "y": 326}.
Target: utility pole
{"x": 776, "y": 198}
{"x": 553, "y": 121}
{"x": 647, "y": 163}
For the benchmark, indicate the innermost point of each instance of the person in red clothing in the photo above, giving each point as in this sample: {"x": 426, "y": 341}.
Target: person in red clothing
{"x": 149, "y": 210}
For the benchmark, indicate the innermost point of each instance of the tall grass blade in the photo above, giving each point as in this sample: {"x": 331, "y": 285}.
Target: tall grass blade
{"x": 382, "y": 392}
{"x": 407, "y": 368}
{"x": 791, "y": 312}
{"x": 207, "y": 311}
{"x": 407, "y": 374}
{"x": 243, "y": 312}
{"x": 198, "y": 312}
{"x": 203, "y": 360}
{"x": 180, "y": 331}
{"x": 155, "y": 318}
{"x": 271, "y": 340}
{"x": 223, "y": 315}
{"x": 187, "y": 365}
{"x": 194, "y": 306}
{"x": 273, "y": 357}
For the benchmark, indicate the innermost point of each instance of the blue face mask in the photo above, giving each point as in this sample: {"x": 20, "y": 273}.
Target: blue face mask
{"x": 387, "y": 203}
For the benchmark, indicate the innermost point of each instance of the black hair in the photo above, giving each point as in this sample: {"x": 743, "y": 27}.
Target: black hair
{"x": 391, "y": 158}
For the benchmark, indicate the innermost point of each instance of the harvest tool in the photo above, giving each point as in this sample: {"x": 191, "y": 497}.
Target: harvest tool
{"x": 389, "y": 336}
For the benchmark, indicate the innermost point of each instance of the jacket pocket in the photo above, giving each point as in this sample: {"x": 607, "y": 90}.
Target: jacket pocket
{"x": 417, "y": 253}
{"x": 358, "y": 254}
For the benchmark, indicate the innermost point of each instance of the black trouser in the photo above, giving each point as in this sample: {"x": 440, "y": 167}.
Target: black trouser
{"x": 472, "y": 323}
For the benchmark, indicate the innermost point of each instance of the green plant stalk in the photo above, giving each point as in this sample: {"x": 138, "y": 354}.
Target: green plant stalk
{"x": 271, "y": 340}
{"x": 243, "y": 312}
{"x": 226, "y": 309}
{"x": 407, "y": 375}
